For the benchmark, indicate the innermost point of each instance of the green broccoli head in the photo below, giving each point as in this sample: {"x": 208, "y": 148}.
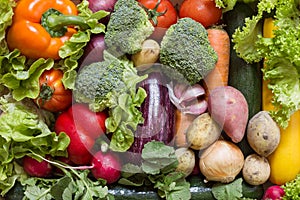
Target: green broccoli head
{"x": 127, "y": 28}
{"x": 99, "y": 84}
{"x": 186, "y": 50}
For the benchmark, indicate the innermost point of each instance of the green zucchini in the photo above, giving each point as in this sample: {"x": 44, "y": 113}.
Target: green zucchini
{"x": 243, "y": 76}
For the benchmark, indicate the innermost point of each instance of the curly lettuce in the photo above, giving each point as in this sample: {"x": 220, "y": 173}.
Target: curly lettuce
{"x": 281, "y": 53}
{"x": 228, "y": 5}
{"x": 6, "y": 13}
{"x": 24, "y": 129}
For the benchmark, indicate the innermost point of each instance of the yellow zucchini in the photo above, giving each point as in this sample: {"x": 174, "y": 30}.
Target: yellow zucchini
{"x": 285, "y": 160}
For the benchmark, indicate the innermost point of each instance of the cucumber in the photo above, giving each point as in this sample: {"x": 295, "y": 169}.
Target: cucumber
{"x": 243, "y": 76}
{"x": 199, "y": 191}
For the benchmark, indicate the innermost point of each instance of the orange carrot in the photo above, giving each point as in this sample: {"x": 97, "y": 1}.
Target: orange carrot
{"x": 219, "y": 40}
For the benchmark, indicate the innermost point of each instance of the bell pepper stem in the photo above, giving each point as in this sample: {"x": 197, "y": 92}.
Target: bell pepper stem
{"x": 56, "y": 22}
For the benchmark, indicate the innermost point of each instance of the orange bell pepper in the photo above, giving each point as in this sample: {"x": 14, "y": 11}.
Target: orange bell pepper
{"x": 39, "y": 28}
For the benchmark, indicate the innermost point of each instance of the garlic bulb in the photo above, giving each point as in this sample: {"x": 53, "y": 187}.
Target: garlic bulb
{"x": 222, "y": 161}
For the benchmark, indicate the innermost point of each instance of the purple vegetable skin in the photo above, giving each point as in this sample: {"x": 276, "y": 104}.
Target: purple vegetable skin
{"x": 158, "y": 114}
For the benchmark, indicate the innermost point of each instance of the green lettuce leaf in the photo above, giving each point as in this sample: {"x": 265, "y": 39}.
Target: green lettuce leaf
{"x": 280, "y": 52}
{"x": 292, "y": 189}
{"x": 6, "y": 13}
{"x": 21, "y": 76}
{"x": 24, "y": 129}
{"x": 228, "y": 5}
{"x": 124, "y": 117}
{"x": 73, "y": 49}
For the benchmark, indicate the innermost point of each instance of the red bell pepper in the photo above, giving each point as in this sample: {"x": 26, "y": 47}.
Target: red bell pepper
{"x": 83, "y": 127}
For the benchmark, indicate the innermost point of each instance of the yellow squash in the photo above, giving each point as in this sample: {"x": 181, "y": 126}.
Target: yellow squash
{"x": 285, "y": 160}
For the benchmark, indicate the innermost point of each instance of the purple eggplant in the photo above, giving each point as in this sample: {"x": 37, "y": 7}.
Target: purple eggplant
{"x": 158, "y": 113}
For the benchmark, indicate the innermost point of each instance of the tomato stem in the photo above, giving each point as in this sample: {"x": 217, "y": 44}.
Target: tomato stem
{"x": 153, "y": 14}
{"x": 46, "y": 93}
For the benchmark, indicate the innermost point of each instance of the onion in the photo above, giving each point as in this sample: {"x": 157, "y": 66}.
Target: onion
{"x": 222, "y": 161}
{"x": 107, "y": 5}
{"x": 94, "y": 50}
{"x": 185, "y": 98}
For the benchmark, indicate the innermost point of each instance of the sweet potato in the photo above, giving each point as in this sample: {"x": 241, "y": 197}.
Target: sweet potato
{"x": 229, "y": 108}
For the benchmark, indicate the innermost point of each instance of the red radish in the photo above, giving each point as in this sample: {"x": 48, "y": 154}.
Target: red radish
{"x": 107, "y": 166}
{"x": 35, "y": 168}
{"x": 274, "y": 192}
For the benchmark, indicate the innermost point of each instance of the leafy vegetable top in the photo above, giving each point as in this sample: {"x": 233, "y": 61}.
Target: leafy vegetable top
{"x": 292, "y": 189}
{"x": 24, "y": 130}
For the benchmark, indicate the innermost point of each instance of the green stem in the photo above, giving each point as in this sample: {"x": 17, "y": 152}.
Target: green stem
{"x": 153, "y": 14}
{"x": 56, "y": 23}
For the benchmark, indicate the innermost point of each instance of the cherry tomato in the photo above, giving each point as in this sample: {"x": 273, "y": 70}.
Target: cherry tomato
{"x": 53, "y": 95}
{"x": 162, "y": 14}
{"x": 202, "y": 11}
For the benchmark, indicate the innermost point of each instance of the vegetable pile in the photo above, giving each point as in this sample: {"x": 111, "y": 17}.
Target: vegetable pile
{"x": 115, "y": 99}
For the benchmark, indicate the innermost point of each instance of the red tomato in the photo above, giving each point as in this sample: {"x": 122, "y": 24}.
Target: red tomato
{"x": 53, "y": 95}
{"x": 161, "y": 12}
{"x": 202, "y": 11}
{"x": 162, "y": 15}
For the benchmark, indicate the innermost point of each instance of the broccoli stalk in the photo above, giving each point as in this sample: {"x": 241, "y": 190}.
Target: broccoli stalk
{"x": 112, "y": 84}
{"x": 185, "y": 51}
{"x": 127, "y": 28}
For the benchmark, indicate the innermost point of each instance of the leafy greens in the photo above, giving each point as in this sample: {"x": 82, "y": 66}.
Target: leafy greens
{"x": 24, "y": 129}
{"x": 281, "y": 53}
{"x": 158, "y": 169}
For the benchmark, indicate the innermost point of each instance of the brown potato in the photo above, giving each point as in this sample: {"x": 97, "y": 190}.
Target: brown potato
{"x": 149, "y": 54}
{"x": 263, "y": 134}
{"x": 186, "y": 160}
{"x": 203, "y": 132}
{"x": 256, "y": 169}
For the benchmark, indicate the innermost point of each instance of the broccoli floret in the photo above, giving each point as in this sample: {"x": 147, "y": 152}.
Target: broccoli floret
{"x": 112, "y": 83}
{"x": 99, "y": 83}
{"x": 127, "y": 28}
{"x": 186, "y": 50}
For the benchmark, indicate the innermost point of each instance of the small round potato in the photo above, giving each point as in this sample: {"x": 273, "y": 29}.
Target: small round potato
{"x": 149, "y": 54}
{"x": 203, "y": 132}
{"x": 263, "y": 134}
{"x": 256, "y": 169}
{"x": 186, "y": 160}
